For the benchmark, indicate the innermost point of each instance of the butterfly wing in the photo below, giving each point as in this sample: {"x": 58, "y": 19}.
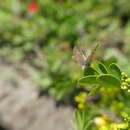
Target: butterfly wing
{"x": 79, "y": 56}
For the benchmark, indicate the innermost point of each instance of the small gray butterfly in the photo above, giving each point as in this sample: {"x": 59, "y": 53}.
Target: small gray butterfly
{"x": 81, "y": 57}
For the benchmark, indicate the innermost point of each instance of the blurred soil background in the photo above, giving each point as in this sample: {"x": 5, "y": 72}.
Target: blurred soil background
{"x": 21, "y": 106}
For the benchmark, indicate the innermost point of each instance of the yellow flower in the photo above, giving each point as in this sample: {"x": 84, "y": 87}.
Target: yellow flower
{"x": 100, "y": 121}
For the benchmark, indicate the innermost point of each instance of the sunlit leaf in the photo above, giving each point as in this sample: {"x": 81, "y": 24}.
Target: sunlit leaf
{"x": 115, "y": 70}
{"x": 108, "y": 81}
{"x": 88, "y": 81}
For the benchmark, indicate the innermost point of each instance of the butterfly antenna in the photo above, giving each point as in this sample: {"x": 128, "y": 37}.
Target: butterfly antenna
{"x": 95, "y": 48}
{"x": 88, "y": 61}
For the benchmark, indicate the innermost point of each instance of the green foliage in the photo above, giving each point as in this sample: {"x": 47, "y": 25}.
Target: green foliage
{"x": 45, "y": 39}
{"x": 108, "y": 82}
{"x": 114, "y": 69}
{"x": 94, "y": 78}
{"x": 88, "y": 81}
{"x": 82, "y": 121}
{"x": 90, "y": 71}
{"x": 102, "y": 68}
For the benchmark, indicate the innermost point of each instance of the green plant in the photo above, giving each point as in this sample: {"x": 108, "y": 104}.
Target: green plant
{"x": 107, "y": 98}
{"x": 45, "y": 38}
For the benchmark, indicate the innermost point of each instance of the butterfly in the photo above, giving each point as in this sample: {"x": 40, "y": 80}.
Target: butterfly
{"x": 81, "y": 57}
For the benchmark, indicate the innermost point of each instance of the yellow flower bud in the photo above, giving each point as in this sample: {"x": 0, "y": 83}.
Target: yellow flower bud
{"x": 127, "y": 80}
{"x": 84, "y": 95}
{"x": 81, "y": 106}
{"x": 77, "y": 99}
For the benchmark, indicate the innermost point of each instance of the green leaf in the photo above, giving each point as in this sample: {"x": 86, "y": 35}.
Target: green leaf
{"x": 108, "y": 81}
{"x": 90, "y": 71}
{"x": 115, "y": 70}
{"x": 88, "y": 80}
{"x": 102, "y": 68}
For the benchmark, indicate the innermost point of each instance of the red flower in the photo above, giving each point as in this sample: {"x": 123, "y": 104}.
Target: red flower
{"x": 33, "y": 7}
